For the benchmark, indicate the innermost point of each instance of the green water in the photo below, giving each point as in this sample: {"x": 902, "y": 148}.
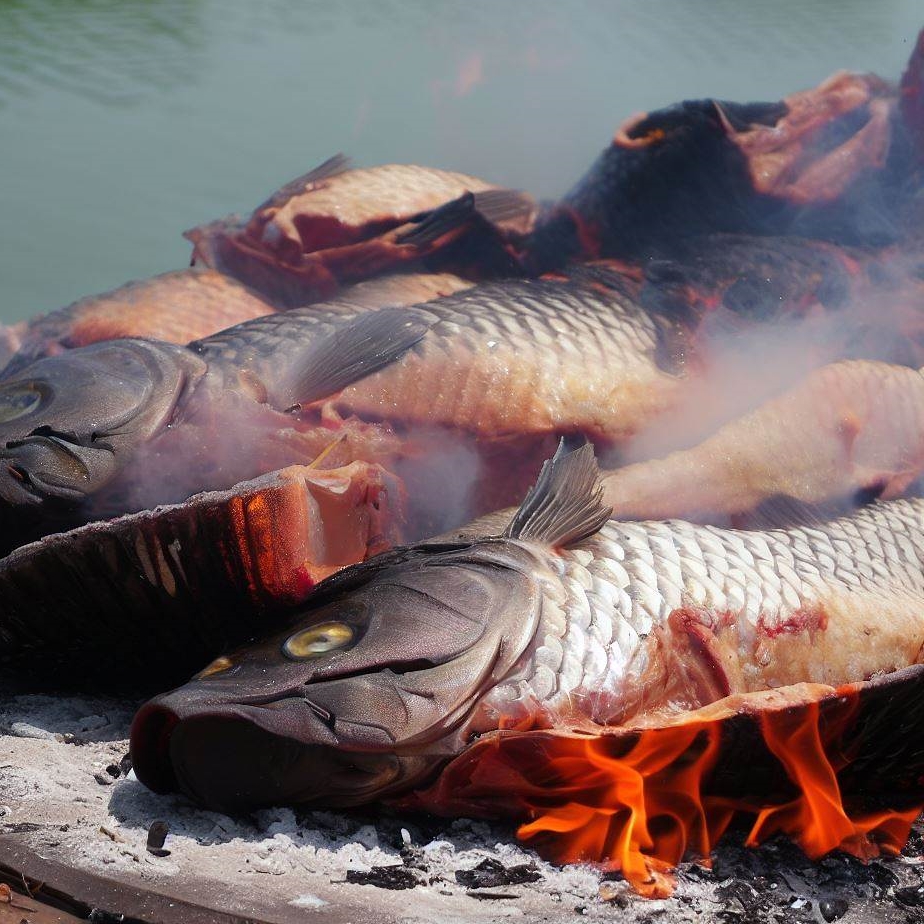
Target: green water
{"x": 123, "y": 122}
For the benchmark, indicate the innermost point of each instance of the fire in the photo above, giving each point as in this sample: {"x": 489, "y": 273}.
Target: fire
{"x": 640, "y": 800}
{"x": 643, "y": 809}
{"x": 638, "y": 812}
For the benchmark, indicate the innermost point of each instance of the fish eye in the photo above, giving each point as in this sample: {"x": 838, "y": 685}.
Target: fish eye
{"x": 18, "y": 400}
{"x": 315, "y": 640}
{"x": 218, "y": 666}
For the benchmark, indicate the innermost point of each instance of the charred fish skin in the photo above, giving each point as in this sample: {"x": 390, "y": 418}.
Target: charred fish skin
{"x": 627, "y": 624}
{"x": 152, "y": 596}
{"x": 831, "y": 163}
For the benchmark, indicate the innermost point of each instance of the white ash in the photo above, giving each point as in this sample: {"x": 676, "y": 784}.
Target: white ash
{"x": 63, "y": 791}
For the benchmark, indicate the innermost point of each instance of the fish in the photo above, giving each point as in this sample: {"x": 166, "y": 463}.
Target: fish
{"x": 154, "y": 595}
{"x": 832, "y": 163}
{"x": 865, "y": 300}
{"x": 486, "y": 378}
{"x": 848, "y": 433}
{"x": 177, "y": 307}
{"x": 337, "y": 225}
{"x": 549, "y": 620}
{"x": 185, "y": 305}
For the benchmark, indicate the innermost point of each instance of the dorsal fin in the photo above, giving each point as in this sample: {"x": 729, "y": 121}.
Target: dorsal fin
{"x": 500, "y": 205}
{"x": 565, "y": 505}
{"x": 482, "y": 210}
{"x": 354, "y": 349}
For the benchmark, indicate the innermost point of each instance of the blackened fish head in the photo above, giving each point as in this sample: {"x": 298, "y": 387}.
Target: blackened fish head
{"x": 363, "y": 695}
{"x": 68, "y": 423}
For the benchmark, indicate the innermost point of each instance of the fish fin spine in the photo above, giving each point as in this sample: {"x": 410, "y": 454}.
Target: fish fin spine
{"x": 565, "y": 505}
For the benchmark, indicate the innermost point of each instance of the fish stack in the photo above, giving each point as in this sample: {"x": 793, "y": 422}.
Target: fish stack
{"x": 478, "y": 505}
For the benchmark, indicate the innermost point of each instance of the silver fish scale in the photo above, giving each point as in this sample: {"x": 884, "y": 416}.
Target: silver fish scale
{"x": 544, "y": 313}
{"x": 624, "y": 583}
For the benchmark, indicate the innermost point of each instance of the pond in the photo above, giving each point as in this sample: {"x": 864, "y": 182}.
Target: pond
{"x": 123, "y": 122}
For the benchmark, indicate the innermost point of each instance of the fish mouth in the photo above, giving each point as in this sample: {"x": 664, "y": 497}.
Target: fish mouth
{"x": 223, "y": 759}
{"x": 50, "y": 466}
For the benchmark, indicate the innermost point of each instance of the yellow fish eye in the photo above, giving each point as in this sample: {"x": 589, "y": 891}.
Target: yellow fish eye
{"x": 315, "y": 640}
{"x": 19, "y": 400}
{"x": 218, "y": 666}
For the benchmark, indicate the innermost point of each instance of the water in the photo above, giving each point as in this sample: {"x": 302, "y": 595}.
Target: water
{"x": 123, "y": 122}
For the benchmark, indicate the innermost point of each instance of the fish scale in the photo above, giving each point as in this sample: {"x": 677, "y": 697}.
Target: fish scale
{"x": 751, "y": 595}
{"x": 530, "y": 355}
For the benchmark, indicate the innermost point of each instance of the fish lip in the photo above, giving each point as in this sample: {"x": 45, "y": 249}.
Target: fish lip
{"x": 221, "y": 758}
{"x": 150, "y": 736}
{"x": 21, "y": 458}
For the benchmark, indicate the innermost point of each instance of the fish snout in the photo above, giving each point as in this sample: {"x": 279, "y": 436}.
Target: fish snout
{"x": 231, "y": 757}
{"x": 48, "y": 467}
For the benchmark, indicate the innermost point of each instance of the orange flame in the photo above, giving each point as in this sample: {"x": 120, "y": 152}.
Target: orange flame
{"x": 645, "y": 812}
{"x": 643, "y": 809}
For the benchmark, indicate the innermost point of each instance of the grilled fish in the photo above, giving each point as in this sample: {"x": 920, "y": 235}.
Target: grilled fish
{"x": 558, "y": 620}
{"x": 481, "y": 378}
{"x": 185, "y": 305}
{"x": 827, "y": 163}
{"x": 177, "y": 307}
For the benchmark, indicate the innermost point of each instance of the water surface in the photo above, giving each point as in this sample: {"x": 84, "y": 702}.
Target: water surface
{"x": 123, "y": 122}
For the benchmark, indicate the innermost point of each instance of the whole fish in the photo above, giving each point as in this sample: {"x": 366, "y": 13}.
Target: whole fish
{"x": 177, "y": 307}
{"x": 182, "y": 306}
{"x": 556, "y": 620}
{"x": 485, "y": 378}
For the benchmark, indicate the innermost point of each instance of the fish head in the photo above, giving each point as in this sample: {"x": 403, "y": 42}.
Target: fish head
{"x": 69, "y": 422}
{"x": 364, "y": 694}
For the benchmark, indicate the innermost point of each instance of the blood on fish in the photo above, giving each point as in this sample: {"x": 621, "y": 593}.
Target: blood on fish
{"x": 805, "y": 619}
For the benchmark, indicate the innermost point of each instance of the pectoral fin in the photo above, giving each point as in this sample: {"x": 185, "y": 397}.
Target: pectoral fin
{"x": 356, "y": 348}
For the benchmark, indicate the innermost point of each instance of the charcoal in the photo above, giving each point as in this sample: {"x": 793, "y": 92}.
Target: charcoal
{"x": 491, "y": 873}
{"x": 157, "y": 834}
{"x": 384, "y": 877}
{"x": 833, "y": 908}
